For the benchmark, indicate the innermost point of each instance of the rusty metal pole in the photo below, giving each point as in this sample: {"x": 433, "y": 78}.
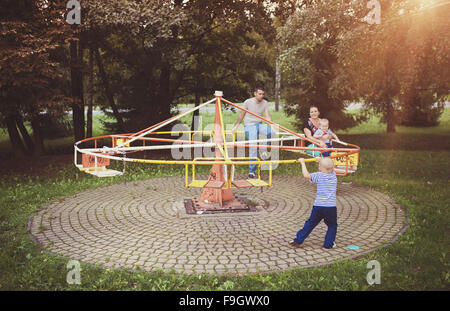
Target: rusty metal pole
{"x": 219, "y": 190}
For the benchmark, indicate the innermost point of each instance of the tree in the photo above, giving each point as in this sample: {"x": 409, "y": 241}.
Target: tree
{"x": 396, "y": 66}
{"x": 310, "y": 62}
{"x": 76, "y": 79}
{"x": 156, "y": 53}
{"x": 425, "y": 83}
{"x": 30, "y": 77}
{"x": 132, "y": 45}
{"x": 230, "y": 50}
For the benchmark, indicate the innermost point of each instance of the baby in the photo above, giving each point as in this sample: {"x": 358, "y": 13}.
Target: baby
{"x": 324, "y": 133}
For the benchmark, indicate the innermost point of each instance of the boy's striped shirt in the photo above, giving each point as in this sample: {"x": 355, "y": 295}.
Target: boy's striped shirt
{"x": 326, "y": 188}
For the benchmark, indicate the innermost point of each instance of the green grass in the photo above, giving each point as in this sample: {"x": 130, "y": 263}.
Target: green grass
{"x": 417, "y": 179}
{"x": 418, "y": 260}
{"x": 373, "y": 126}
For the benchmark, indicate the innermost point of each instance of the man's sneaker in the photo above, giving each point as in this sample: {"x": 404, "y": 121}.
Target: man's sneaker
{"x": 251, "y": 176}
{"x": 264, "y": 155}
{"x": 295, "y": 244}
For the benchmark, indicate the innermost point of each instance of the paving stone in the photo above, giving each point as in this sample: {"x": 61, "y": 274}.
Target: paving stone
{"x": 126, "y": 225}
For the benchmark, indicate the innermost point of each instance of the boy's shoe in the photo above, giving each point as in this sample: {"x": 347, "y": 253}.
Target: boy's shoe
{"x": 295, "y": 244}
{"x": 251, "y": 176}
{"x": 334, "y": 245}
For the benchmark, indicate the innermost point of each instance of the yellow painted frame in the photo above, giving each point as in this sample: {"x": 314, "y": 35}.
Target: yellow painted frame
{"x": 199, "y": 183}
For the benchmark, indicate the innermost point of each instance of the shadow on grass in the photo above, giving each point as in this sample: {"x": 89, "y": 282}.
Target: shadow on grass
{"x": 399, "y": 141}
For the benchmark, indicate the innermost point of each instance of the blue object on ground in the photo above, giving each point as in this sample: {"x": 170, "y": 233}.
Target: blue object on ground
{"x": 353, "y": 247}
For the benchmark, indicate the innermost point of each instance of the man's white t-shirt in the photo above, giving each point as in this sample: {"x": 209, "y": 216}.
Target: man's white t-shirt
{"x": 257, "y": 108}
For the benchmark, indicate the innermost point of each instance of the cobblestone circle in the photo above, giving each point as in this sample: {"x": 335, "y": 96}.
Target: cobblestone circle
{"x": 142, "y": 225}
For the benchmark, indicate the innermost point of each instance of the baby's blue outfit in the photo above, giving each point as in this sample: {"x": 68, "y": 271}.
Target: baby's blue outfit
{"x": 320, "y": 133}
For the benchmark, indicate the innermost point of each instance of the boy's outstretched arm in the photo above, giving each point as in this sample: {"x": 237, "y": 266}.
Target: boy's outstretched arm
{"x": 304, "y": 169}
{"x": 335, "y": 137}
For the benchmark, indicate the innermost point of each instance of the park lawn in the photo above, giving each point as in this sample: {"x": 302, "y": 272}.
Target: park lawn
{"x": 409, "y": 166}
{"x": 418, "y": 260}
{"x": 373, "y": 126}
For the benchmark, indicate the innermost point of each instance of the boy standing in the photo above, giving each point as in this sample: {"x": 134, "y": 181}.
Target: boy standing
{"x": 324, "y": 204}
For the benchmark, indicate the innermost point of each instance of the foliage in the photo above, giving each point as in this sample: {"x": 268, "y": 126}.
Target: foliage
{"x": 156, "y": 54}
{"x": 396, "y": 66}
{"x": 55, "y": 127}
{"x": 159, "y": 52}
{"x": 32, "y": 31}
{"x": 426, "y": 83}
{"x": 333, "y": 56}
{"x": 309, "y": 61}
{"x": 28, "y": 70}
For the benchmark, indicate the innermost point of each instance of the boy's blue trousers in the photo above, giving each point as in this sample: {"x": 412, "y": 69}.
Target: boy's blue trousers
{"x": 329, "y": 215}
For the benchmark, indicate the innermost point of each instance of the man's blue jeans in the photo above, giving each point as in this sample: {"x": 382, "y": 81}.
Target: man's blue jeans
{"x": 252, "y": 132}
{"x": 329, "y": 215}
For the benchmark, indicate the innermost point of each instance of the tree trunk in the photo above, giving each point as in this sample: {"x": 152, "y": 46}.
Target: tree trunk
{"x": 277, "y": 82}
{"x": 389, "y": 94}
{"x": 77, "y": 91}
{"x": 164, "y": 92}
{"x": 108, "y": 91}
{"x": 37, "y": 135}
{"x": 196, "y": 113}
{"x": 26, "y": 137}
{"x": 90, "y": 93}
{"x": 14, "y": 137}
{"x": 390, "y": 118}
